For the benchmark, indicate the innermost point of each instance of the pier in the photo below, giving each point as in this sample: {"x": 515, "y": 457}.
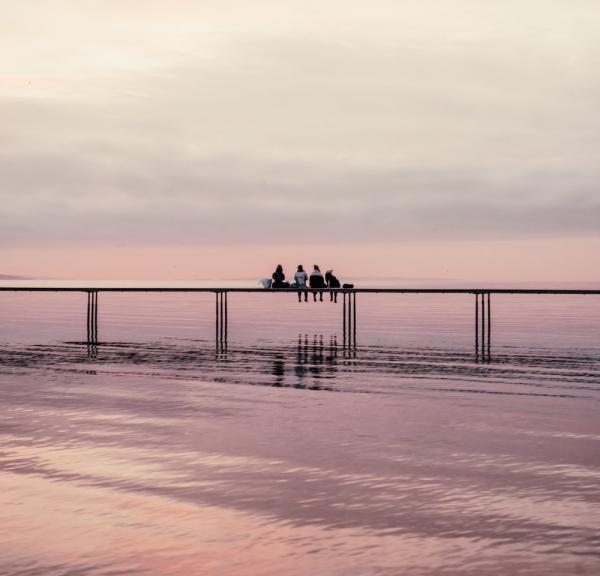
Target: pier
{"x": 482, "y": 308}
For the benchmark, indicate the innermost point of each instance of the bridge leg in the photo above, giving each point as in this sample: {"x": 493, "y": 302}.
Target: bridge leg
{"x": 476, "y": 324}
{"x": 489, "y": 325}
{"x": 349, "y": 319}
{"x": 349, "y": 322}
{"x": 344, "y": 320}
{"x": 483, "y": 323}
{"x": 92, "y": 318}
{"x": 222, "y": 304}
{"x": 221, "y": 319}
{"x": 354, "y": 319}
{"x": 96, "y": 317}
{"x": 88, "y": 316}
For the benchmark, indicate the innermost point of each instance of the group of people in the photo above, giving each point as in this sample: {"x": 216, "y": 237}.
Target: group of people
{"x": 302, "y": 281}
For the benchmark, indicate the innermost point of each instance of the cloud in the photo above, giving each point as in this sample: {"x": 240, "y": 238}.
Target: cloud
{"x": 173, "y": 200}
{"x": 478, "y": 123}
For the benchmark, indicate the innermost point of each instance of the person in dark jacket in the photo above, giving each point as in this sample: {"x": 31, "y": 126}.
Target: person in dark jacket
{"x": 332, "y": 282}
{"x": 278, "y": 277}
{"x": 317, "y": 281}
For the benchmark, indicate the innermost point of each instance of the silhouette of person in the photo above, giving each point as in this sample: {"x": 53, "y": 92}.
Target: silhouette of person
{"x": 317, "y": 281}
{"x": 332, "y": 282}
{"x": 278, "y": 277}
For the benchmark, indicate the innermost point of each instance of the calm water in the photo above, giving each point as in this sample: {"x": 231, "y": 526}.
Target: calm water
{"x": 158, "y": 452}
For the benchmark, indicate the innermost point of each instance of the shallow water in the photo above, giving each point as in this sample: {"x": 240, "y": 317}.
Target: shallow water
{"x": 159, "y": 451}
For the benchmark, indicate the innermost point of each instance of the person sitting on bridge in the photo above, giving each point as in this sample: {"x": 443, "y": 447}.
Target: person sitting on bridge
{"x": 300, "y": 280}
{"x": 332, "y": 282}
{"x": 279, "y": 278}
{"x": 317, "y": 281}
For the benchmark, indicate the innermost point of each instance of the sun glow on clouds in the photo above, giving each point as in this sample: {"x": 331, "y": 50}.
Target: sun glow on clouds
{"x": 213, "y": 126}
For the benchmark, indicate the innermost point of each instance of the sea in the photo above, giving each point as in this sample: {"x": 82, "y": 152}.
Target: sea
{"x": 284, "y": 448}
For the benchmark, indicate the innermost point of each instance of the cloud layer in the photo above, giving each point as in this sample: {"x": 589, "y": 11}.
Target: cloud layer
{"x": 321, "y": 122}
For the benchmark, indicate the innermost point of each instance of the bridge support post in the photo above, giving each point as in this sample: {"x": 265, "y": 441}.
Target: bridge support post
{"x": 92, "y": 317}
{"x": 354, "y": 318}
{"x": 476, "y": 324}
{"x": 489, "y": 325}
{"x": 349, "y": 319}
{"x": 344, "y": 320}
{"x": 221, "y": 320}
{"x": 483, "y": 325}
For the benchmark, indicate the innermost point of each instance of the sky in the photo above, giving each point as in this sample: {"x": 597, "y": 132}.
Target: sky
{"x": 184, "y": 140}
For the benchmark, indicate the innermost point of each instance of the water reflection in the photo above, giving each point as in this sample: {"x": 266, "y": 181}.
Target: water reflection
{"x": 318, "y": 362}
{"x": 157, "y": 441}
{"x": 188, "y": 450}
{"x": 314, "y": 361}
{"x": 365, "y": 461}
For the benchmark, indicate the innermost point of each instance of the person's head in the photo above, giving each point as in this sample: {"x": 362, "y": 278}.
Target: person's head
{"x": 279, "y": 268}
{"x": 300, "y": 269}
{"x": 316, "y": 267}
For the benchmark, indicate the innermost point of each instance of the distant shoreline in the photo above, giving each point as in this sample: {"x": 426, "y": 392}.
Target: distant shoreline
{"x": 15, "y": 277}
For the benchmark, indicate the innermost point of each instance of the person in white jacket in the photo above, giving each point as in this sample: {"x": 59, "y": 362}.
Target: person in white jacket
{"x": 301, "y": 278}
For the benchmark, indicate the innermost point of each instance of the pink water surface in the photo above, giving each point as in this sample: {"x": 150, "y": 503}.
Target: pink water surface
{"x": 159, "y": 451}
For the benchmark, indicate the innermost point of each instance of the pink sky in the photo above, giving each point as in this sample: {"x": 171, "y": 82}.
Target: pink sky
{"x": 562, "y": 259}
